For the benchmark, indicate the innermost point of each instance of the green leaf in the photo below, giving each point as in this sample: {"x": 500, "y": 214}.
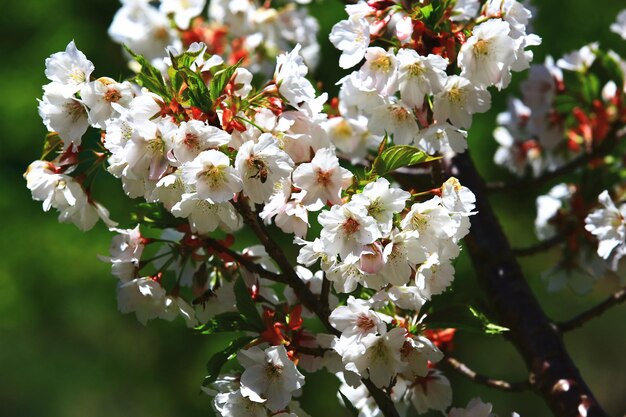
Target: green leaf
{"x": 488, "y": 326}
{"x": 397, "y": 157}
{"x": 612, "y": 68}
{"x": 564, "y": 104}
{"x": 154, "y": 215}
{"x": 150, "y": 77}
{"x": 226, "y": 322}
{"x": 51, "y": 142}
{"x": 590, "y": 87}
{"x": 185, "y": 59}
{"x": 426, "y": 11}
{"x": 197, "y": 90}
{"x": 219, "y": 359}
{"x": 348, "y": 404}
{"x": 220, "y": 79}
{"x": 246, "y": 306}
{"x": 464, "y": 318}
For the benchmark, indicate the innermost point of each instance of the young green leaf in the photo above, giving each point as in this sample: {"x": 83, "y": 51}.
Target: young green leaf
{"x": 52, "y": 141}
{"x": 348, "y": 404}
{"x": 150, "y": 77}
{"x": 197, "y": 90}
{"x": 397, "y": 157}
{"x": 220, "y": 79}
{"x": 219, "y": 359}
{"x": 226, "y": 322}
{"x": 246, "y": 306}
{"x": 154, "y": 215}
{"x": 464, "y": 318}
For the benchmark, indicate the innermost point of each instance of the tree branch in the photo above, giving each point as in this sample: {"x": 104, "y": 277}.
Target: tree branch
{"x": 244, "y": 261}
{"x": 539, "y": 247}
{"x": 308, "y": 299}
{"x": 464, "y": 370}
{"x": 534, "y": 335}
{"x": 595, "y": 311}
{"x": 513, "y": 186}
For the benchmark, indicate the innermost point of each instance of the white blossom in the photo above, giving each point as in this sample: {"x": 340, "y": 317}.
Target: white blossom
{"x": 261, "y": 166}
{"x": 70, "y": 69}
{"x": 608, "y": 225}
{"x": 212, "y": 175}
{"x": 420, "y": 76}
{"x": 347, "y": 229}
{"x": 204, "y": 216}
{"x": 193, "y": 137}
{"x": 61, "y": 112}
{"x": 380, "y": 70}
{"x": 397, "y": 119}
{"x": 459, "y": 100}
{"x": 351, "y": 37}
{"x": 126, "y": 249}
{"x": 322, "y": 179}
{"x": 382, "y": 202}
{"x": 143, "y": 296}
{"x": 183, "y": 10}
{"x": 439, "y": 137}
{"x": 619, "y": 26}
{"x": 99, "y": 97}
{"x": 432, "y": 392}
{"x": 381, "y": 360}
{"x": 486, "y": 57}
{"x": 270, "y": 377}
{"x": 475, "y": 408}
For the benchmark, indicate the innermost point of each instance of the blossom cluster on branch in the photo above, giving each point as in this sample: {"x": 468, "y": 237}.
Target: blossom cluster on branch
{"x": 219, "y": 133}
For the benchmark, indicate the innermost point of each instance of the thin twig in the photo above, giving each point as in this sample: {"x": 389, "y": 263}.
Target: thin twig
{"x": 244, "y": 261}
{"x": 539, "y": 247}
{"x": 603, "y": 149}
{"x": 464, "y": 370}
{"x": 313, "y": 351}
{"x": 595, "y": 311}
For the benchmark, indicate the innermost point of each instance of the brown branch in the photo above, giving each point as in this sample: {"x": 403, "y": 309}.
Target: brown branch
{"x": 244, "y": 261}
{"x": 535, "y": 336}
{"x": 464, "y": 370}
{"x": 304, "y": 294}
{"x": 514, "y": 186}
{"x": 313, "y": 351}
{"x": 595, "y": 311}
{"x": 540, "y": 247}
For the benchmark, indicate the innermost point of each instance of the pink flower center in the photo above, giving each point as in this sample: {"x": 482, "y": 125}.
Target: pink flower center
{"x": 351, "y": 226}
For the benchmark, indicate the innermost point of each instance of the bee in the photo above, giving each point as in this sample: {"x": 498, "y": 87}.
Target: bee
{"x": 262, "y": 170}
{"x": 203, "y": 298}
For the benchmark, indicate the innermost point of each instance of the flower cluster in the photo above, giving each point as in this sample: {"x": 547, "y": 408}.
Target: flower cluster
{"x": 252, "y": 31}
{"x": 425, "y": 87}
{"x": 564, "y": 113}
{"x": 608, "y": 225}
{"x": 208, "y": 148}
{"x": 569, "y": 120}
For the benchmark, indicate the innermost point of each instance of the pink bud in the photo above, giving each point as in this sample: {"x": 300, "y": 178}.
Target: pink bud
{"x": 404, "y": 29}
{"x": 372, "y": 258}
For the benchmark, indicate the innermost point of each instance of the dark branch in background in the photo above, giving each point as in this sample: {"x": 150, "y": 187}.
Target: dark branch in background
{"x": 244, "y": 261}
{"x": 595, "y": 311}
{"x": 304, "y": 294}
{"x": 540, "y": 247}
{"x": 515, "y": 185}
{"x": 325, "y": 294}
{"x": 535, "y": 336}
{"x": 464, "y": 370}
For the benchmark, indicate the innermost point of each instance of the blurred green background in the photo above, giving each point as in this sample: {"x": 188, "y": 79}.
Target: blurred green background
{"x": 65, "y": 351}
